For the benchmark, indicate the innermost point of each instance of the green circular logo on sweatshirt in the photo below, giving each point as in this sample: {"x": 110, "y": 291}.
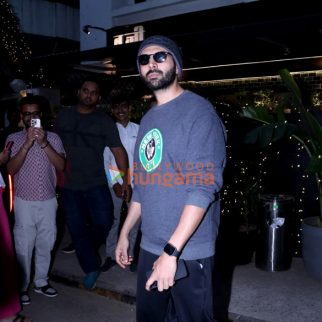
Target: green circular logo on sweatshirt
{"x": 150, "y": 151}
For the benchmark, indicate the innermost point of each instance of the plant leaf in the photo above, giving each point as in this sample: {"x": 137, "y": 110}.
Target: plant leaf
{"x": 291, "y": 84}
{"x": 280, "y": 114}
{"x": 257, "y": 113}
{"x": 311, "y": 124}
{"x": 284, "y": 130}
{"x": 268, "y": 133}
{"x": 315, "y": 164}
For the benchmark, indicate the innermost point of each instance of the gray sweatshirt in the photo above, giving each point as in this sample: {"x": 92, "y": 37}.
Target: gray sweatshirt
{"x": 179, "y": 160}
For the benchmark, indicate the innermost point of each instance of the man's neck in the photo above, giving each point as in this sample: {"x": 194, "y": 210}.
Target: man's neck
{"x": 85, "y": 109}
{"x": 124, "y": 123}
{"x": 166, "y": 95}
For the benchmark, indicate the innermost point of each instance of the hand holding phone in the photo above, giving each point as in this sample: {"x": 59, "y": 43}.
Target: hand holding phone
{"x": 181, "y": 272}
{"x": 9, "y": 146}
{"x": 35, "y": 123}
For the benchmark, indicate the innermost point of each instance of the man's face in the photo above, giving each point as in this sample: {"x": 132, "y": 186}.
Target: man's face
{"x": 88, "y": 95}
{"x": 28, "y": 112}
{"x": 121, "y": 112}
{"x": 158, "y": 75}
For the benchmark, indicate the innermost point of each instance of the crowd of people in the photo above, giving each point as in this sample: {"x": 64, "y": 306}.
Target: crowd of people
{"x": 167, "y": 171}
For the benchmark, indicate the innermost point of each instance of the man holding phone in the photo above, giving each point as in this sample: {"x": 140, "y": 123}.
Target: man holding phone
{"x": 36, "y": 155}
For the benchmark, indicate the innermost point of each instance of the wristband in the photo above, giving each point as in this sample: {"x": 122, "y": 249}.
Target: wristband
{"x": 45, "y": 146}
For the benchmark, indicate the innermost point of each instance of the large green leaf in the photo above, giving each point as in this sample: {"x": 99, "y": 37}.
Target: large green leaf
{"x": 261, "y": 135}
{"x": 309, "y": 133}
{"x": 258, "y": 113}
{"x": 290, "y": 83}
{"x": 284, "y": 130}
{"x": 280, "y": 114}
{"x": 269, "y": 133}
{"x": 311, "y": 124}
{"x": 315, "y": 164}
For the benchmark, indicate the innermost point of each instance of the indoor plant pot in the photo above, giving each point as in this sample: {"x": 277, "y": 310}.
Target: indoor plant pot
{"x": 312, "y": 246}
{"x": 309, "y": 134}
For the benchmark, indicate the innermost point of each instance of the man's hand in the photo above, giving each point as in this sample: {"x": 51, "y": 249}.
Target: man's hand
{"x": 121, "y": 252}
{"x": 40, "y": 135}
{"x": 164, "y": 269}
{"x": 4, "y": 156}
{"x": 126, "y": 192}
{"x": 29, "y": 139}
{"x": 117, "y": 188}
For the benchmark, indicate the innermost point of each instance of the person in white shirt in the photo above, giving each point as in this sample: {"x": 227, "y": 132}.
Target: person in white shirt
{"x": 121, "y": 109}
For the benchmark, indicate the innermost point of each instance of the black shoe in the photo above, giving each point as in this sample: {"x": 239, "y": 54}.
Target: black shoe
{"x": 109, "y": 262}
{"x": 46, "y": 290}
{"x": 221, "y": 318}
{"x": 25, "y": 298}
{"x": 69, "y": 249}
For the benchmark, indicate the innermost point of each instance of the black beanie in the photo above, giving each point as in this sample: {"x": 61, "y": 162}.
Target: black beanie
{"x": 167, "y": 44}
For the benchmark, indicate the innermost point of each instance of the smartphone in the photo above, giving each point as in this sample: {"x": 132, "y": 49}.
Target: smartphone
{"x": 9, "y": 145}
{"x": 35, "y": 123}
{"x": 181, "y": 272}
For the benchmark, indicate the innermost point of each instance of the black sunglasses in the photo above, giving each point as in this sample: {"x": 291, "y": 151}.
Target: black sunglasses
{"x": 158, "y": 57}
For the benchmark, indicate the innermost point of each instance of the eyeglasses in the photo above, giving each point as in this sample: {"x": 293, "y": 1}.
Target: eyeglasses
{"x": 159, "y": 57}
{"x": 33, "y": 114}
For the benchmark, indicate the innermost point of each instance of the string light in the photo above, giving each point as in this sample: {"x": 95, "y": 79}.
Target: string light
{"x": 11, "y": 37}
{"x": 233, "y": 195}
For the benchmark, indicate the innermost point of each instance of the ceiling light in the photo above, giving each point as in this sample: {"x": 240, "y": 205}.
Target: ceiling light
{"x": 87, "y": 28}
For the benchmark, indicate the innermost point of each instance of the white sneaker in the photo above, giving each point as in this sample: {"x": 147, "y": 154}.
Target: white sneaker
{"x": 46, "y": 290}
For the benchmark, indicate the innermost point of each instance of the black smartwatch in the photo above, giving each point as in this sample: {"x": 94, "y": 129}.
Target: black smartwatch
{"x": 171, "y": 250}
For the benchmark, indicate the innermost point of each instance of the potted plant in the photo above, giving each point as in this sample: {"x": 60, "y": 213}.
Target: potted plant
{"x": 309, "y": 133}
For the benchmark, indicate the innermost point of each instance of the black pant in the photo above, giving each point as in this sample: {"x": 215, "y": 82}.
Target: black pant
{"x": 189, "y": 300}
{"x": 89, "y": 217}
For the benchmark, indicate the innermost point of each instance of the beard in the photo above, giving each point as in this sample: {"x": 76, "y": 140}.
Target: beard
{"x": 162, "y": 83}
{"x": 87, "y": 103}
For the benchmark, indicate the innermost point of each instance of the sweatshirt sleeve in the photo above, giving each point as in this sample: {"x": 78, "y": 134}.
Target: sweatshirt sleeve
{"x": 206, "y": 152}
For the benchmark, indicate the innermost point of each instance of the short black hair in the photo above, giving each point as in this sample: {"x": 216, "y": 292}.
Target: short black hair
{"x": 39, "y": 100}
{"x": 119, "y": 98}
{"x": 91, "y": 79}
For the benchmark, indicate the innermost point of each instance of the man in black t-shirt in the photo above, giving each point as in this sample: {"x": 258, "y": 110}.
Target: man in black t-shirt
{"x": 85, "y": 132}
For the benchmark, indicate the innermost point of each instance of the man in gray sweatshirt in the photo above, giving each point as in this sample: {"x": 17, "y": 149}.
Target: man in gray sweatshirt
{"x": 179, "y": 161}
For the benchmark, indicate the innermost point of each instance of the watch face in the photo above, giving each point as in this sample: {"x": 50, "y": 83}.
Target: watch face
{"x": 169, "y": 249}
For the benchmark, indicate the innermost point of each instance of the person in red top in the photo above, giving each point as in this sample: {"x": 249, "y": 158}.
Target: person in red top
{"x": 35, "y": 158}
{"x": 9, "y": 295}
